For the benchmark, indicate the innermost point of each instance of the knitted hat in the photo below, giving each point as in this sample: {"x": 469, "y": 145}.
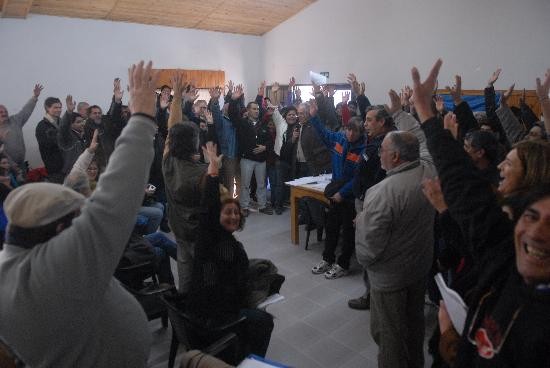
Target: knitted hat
{"x": 38, "y": 204}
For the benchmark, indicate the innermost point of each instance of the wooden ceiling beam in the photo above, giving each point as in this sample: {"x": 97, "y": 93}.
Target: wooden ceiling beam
{"x": 16, "y": 8}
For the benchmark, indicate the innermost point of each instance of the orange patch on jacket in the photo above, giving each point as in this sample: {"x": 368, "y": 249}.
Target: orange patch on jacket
{"x": 338, "y": 148}
{"x": 353, "y": 157}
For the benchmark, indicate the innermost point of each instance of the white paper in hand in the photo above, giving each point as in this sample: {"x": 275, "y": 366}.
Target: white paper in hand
{"x": 317, "y": 78}
{"x": 455, "y": 305}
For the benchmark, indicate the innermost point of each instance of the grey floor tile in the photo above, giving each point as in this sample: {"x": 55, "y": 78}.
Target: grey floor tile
{"x": 329, "y": 353}
{"x": 353, "y": 335}
{"x": 359, "y": 361}
{"x": 282, "y": 352}
{"x": 300, "y": 335}
{"x": 327, "y": 320}
{"x": 324, "y": 295}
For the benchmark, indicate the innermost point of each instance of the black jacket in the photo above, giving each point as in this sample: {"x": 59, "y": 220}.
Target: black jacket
{"x": 249, "y": 135}
{"x": 500, "y": 292}
{"x": 46, "y": 135}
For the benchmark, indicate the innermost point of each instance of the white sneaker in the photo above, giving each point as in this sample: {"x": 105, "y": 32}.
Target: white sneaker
{"x": 321, "y": 267}
{"x": 335, "y": 272}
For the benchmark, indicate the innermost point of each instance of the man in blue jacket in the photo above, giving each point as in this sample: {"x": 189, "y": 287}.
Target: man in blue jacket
{"x": 346, "y": 148}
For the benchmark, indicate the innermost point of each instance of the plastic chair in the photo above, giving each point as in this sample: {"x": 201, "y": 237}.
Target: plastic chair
{"x": 194, "y": 335}
{"x": 147, "y": 293}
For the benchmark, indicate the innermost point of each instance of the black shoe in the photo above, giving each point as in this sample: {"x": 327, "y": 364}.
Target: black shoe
{"x": 361, "y": 303}
{"x": 267, "y": 210}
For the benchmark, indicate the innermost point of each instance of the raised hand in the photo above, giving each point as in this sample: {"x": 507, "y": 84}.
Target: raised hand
{"x": 70, "y": 103}
{"x": 178, "y": 86}
{"x": 209, "y": 118}
{"x": 237, "y": 92}
{"x": 494, "y": 77}
{"x": 143, "y": 82}
{"x": 191, "y": 95}
{"x": 395, "y": 102}
{"x": 450, "y": 123}
{"x": 95, "y": 142}
{"x": 298, "y": 92}
{"x": 506, "y": 95}
{"x": 355, "y": 87}
{"x": 439, "y": 104}
{"x": 345, "y": 97}
{"x": 422, "y": 91}
{"x": 261, "y": 89}
{"x": 117, "y": 90}
{"x": 275, "y": 86}
{"x": 432, "y": 190}
{"x": 214, "y": 93}
{"x": 37, "y": 89}
{"x": 230, "y": 86}
{"x": 405, "y": 95}
{"x": 456, "y": 90}
{"x": 210, "y": 152}
{"x": 543, "y": 87}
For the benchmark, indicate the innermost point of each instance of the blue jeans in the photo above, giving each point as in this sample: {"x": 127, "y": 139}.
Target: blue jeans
{"x": 247, "y": 168}
{"x": 275, "y": 185}
{"x": 154, "y": 214}
{"x": 163, "y": 245}
{"x": 256, "y": 333}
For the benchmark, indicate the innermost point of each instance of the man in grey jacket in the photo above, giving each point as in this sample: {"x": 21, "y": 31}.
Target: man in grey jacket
{"x": 61, "y": 306}
{"x": 394, "y": 242}
{"x": 11, "y": 128}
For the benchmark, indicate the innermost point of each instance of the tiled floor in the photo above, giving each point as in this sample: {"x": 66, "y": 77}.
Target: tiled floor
{"x": 314, "y": 326}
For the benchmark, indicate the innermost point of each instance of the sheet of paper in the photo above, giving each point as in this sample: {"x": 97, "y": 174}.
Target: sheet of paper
{"x": 272, "y": 299}
{"x": 313, "y": 180}
{"x": 317, "y": 78}
{"x": 455, "y": 305}
{"x": 254, "y": 361}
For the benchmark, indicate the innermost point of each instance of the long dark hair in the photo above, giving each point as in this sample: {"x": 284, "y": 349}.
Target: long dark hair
{"x": 183, "y": 140}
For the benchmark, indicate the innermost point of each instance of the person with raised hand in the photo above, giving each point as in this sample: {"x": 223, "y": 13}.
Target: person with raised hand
{"x": 61, "y": 306}
{"x": 227, "y": 138}
{"x": 253, "y": 138}
{"x": 510, "y": 298}
{"x": 14, "y": 144}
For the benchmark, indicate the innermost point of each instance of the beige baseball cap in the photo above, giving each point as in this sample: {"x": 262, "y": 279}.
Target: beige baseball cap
{"x": 37, "y": 204}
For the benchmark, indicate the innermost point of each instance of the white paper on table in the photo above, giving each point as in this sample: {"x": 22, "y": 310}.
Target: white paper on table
{"x": 317, "y": 78}
{"x": 257, "y": 362}
{"x": 455, "y": 305}
{"x": 272, "y": 299}
{"x": 313, "y": 180}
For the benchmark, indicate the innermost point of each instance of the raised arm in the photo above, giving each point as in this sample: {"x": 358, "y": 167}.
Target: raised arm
{"x": 90, "y": 249}
{"x": 542, "y": 94}
{"x": 512, "y": 127}
{"x": 462, "y": 110}
{"x": 327, "y": 136}
{"x": 472, "y": 202}
{"x": 22, "y": 116}
{"x": 234, "y": 110}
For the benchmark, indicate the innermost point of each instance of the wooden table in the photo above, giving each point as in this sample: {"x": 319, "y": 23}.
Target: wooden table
{"x": 297, "y": 192}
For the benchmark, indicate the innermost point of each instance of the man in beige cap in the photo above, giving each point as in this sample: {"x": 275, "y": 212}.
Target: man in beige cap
{"x": 60, "y": 305}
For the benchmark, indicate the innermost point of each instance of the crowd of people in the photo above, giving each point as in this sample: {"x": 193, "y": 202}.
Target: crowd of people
{"x": 415, "y": 190}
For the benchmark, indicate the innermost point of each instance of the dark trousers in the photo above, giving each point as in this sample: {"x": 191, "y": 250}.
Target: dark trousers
{"x": 276, "y": 190}
{"x": 256, "y": 334}
{"x": 283, "y": 175}
{"x": 340, "y": 217}
{"x": 397, "y": 326}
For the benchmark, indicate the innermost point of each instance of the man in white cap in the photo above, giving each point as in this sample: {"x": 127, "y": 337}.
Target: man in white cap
{"x": 60, "y": 305}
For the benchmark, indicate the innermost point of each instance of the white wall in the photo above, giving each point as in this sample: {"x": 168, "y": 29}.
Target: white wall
{"x": 380, "y": 40}
{"x": 81, "y": 57}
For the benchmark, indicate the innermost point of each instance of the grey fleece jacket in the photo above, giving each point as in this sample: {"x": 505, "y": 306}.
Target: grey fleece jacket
{"x": 394, "y": 231}
{"x": 14, "y": 144}
{"x": 59, "y": 303}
